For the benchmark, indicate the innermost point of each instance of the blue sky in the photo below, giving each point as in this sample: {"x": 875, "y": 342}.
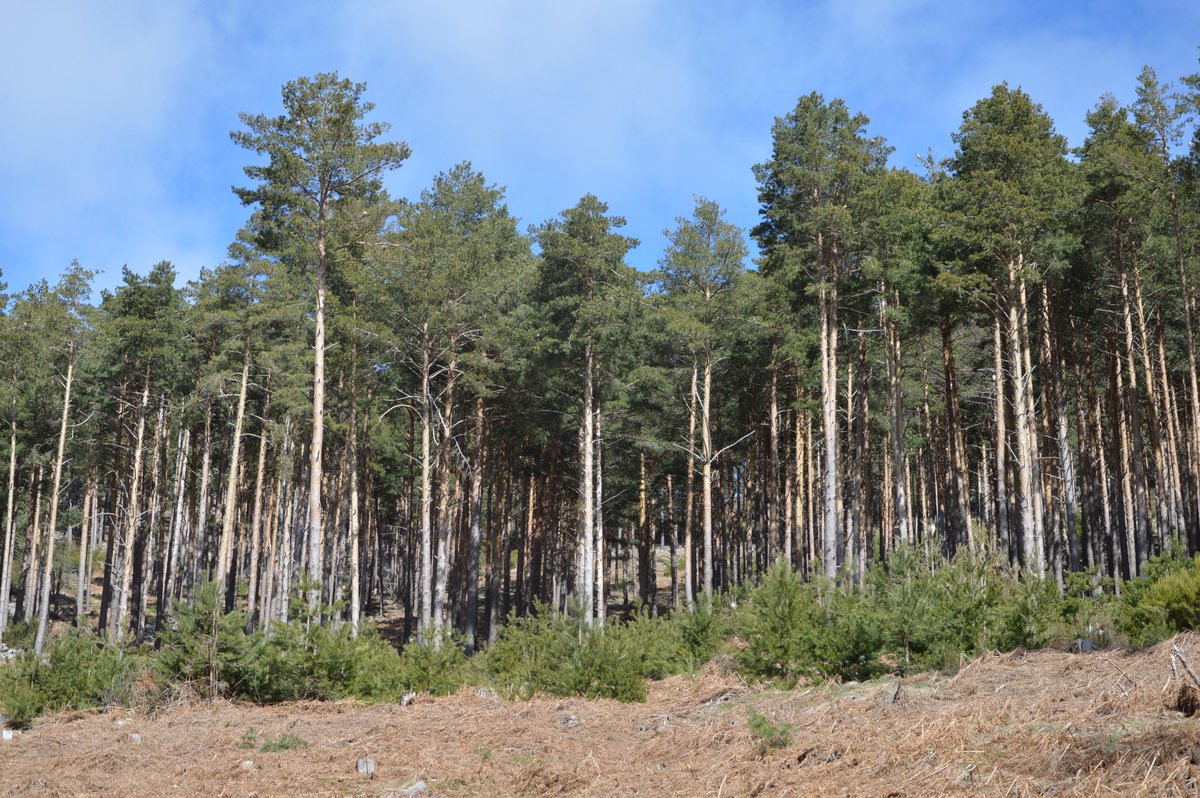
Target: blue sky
{"x": 115, "y": 116}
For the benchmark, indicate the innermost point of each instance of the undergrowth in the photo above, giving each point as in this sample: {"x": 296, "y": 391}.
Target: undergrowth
{"x": 914, "y": 615}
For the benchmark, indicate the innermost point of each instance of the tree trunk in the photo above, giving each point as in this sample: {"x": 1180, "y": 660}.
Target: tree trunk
{"x": 446, "y": 483}
{"x": 425, "y": 582}
{"x": 1025, "y": 450}
{"x": 895, "y": 402}
{"x": 85, "y": 570}
{"x": 225, "y": 549}
{"x": 586, "y": 543}
{"x": 316, "y": 530}
{"x": 44, "y": 603}
{"x": 9, "y": 525}
{"x": 118, "y": 629}
{"x": 256, "y": 514}
{"x": 145, "y": 576}
{"x": 1001, "y": 441}
{"x": 600, "y": 601}
{"x": 354, "y": 531}
{"x": 476, "y": 530}
{"x": 956, "y": 485}
{"x": 1141, "y": 519}
{"x": 198, "y": 540}
{"x": 831, "y": 528}
{"x": 706, "y": 485}
{"x": 689, "y": 505}
{"x": 170, "y": 587}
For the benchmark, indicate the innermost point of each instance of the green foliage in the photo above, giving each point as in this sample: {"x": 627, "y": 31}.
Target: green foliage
{"x": 769, "y": 735}
{"x": 701, "y": 633}
{"x": 792, "y": 629}
{"x": 77, "y": 672}
{"x": 20, "y": 700}
{"x": 207, "y": 647}
{"x": 439, "y": 668}
{"x": 907, "y": 617}
{"x": 1165, "y": 600}
{"x": 296, "y": 661}
{"x": 285, "y": 742}
{"x": 558, "y": 655}
{"x": 933, "y": 614}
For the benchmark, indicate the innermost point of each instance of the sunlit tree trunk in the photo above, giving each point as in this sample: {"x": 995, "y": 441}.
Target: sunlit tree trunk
{"x": 121, "y": 618}
{"x": 44, "y": 602}
{"x": 225, "y": 548}
{"x": 9, "y": 525}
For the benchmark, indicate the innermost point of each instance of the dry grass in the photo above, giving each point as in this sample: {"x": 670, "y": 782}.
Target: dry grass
{"x": 1037, "y": 723}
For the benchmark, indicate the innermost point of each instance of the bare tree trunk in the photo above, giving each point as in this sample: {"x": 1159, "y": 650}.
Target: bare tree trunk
{"x": 707, "y": 474}
{"x": 316, "y": 530}
{"x": 27, "y": 600}
{"x": 354, "y": 531}
{"x": 146, "y": 575}
{"x": 1031, "y": 431}
{"x": 895, "y": 402}
{"x": 644, "y": 543}
{"x": 425, "y": 582}
{"x": 9, "y": 525}
{"x": 586, "y": 543}
{"x": 1030, "y": 531}
{"x": 198, "y": 542}
{"x": 118, "y": 629}
{"x": 956, "y": 484}
{"x": 225, "y": 549}
{"x": 831, "y": 526}
{"x": 476, "y": 530}
{"x": 1123, "y": 458}
{"x": 1189, "y": 302}
{"x": 85, "y": 570}
{"x": 171, "y": 583}
{"x": 1170, "y": 503}
{"x": 1001, "y": 442}
{"x": 44, "y": 604}
{"x": 445, "y": 486}
{"x": 689, "y": 509}
{"x": 774, "y": 542}
{"x": 1141, "y": 520}
{"x": 600, "y": 602}
{"x": 256, "y": 515}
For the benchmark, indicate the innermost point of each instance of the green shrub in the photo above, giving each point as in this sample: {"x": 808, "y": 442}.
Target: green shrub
{"x": 700, "y": 633}
{"x": 208, "y": 648}
{"x": 1022, "y": 614}
{"x": 559, "y": 655}
{"x": 768, "y": 734}
{"x": 524, "y": 659}
{"x": 82, "y": 672}
{"x": 20, "y": 700}
{"x": 793, "y": 629}
{"x": 1165, "y": 600}
{"x": 433, "y": 667}
{"x": 299, "y": 662}
{"x": 285, "y": 742}
{"x": 77, "y": 672}
{"x": 932, "y": 613}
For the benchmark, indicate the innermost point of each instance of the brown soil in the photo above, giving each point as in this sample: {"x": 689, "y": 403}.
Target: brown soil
{"x": 1037, "y": 723}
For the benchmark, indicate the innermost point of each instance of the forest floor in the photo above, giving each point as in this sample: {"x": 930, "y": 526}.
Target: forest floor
{"x": 1026, "y": 723}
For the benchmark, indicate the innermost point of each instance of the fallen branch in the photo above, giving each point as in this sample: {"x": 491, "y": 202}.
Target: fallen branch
{"x": 1176, "y": 652}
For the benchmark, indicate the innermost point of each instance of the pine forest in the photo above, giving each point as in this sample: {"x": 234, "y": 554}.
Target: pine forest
{"x": 427, "y": 415}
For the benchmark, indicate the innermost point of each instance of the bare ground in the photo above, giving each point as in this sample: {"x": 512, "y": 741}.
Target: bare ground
{"x": 1037, "y": 723}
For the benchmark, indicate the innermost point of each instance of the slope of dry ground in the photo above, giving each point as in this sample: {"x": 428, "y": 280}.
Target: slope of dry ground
{"x": 1039, "y": 723}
